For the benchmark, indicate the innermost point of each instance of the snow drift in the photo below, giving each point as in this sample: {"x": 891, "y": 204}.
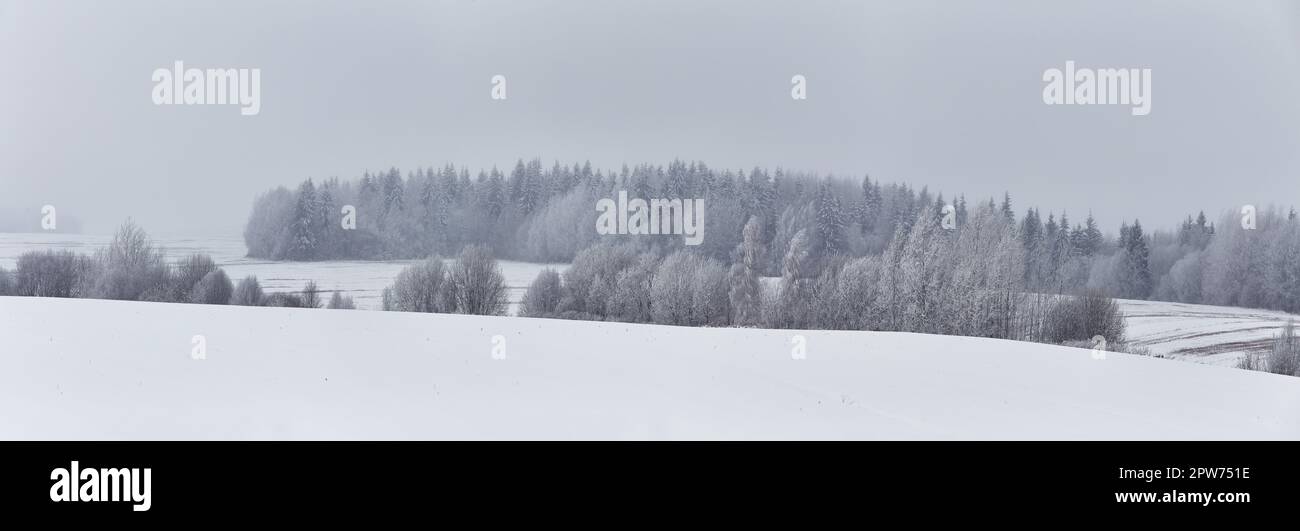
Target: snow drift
{"x": 93, "y": 369}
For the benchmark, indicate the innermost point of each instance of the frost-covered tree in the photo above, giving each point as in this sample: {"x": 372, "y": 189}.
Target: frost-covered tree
{"x": 797, "y": 278}
{"x": 746, "y": 288}
{"x": 52, "y": 273}
{"x": 340, "y": 302}
{"x": 691, "y": 290}
{"x": 303, "y": 232}
{"x": 269, "y": 224}
{"x": 633, "y": 287}
{"x": 1082, "y": 317}
{"x": 919, "y": 275}
{"x": 1283, "y": 356}
{"x": 248, "y": 293}
{"x": 187, "y": 273}
{"x": 393, "y": 192}
{"x": 419, "y": 288}
{"x": 1134, "y": 269}
{"x": 672, "y": 289}
{"x": 283, "y": 300}
{"x": 543, "y": 296}
{"x": 589, "y": 281}
{"x": 130, "y": 266}
{"x": 476, "y": 283}
{"x": 311, "y": 295}
{"x": 830, "y": 221}
{"x": 1007, "y": 212}
{"x": 326, "y": 225}
{"x": 856, "y": 297}
{"x": 214, "y": 288}
{"x": 1183, "y": 281}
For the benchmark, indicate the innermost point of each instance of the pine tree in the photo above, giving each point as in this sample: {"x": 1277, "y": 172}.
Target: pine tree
{"x": 325, "y": 226}
{"x": 433, "y": 215}
{"x": 302, "y": 233}
{"x": 392, "y": 191}
{"x": 675, "y": 185}
{"x": 1031, "y": 229}
{"x": 1061, "y": 246}
{"x": 516, "y": 184}
{"x": 830, "y": 221}
{"x": 1136, "y": 262}
{"x": 447, "y": 183}
{"x": 1092, "y": 237}
{"x": 868, "y": 206}
{"x": 533, "y": 191}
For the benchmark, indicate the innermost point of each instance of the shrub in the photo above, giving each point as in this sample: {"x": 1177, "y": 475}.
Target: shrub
{"x": 671, "y": 290}
{"x": 1079, "y": 318}
{"x": 1252, "y": 361}
{"x": 53, "y": 274}
{"x": 1284, "y": 357}
{"x": 164, "y": 293}
{"x": 476, "y": 283}
{"x": 187, "y": 273}
{"x": 284, "y": 300}
{"x": 857, "y": 295}
{"x": 6, "y": 284}
{"x": 710, "y": 304}
{"x": 631, "y": 300}
{"x": 213, "y": 288}
{"x": 690, "y": 290}
{"x": 543, "y": 295}
{"x": 248, "y": 293}
{"x": 339, "y": 302}
{"x": 419, "y": 288}
{"x": 311, "y": 295}
{"x": 590, "y": 279}
{"x": 130, "y": 266}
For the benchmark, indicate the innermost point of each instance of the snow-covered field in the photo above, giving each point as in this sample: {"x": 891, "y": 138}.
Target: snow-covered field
{"x": 92, "y": 369}
{"x": 1205, "y": 334}
{"x": 1217, "y": 335}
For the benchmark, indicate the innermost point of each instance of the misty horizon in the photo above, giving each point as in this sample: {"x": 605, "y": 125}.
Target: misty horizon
{"x": 948, "y": 98}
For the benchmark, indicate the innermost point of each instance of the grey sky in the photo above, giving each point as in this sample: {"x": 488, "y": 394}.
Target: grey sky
{"x": 944, "y": 94}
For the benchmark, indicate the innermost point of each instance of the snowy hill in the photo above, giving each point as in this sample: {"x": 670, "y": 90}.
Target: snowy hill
{"x": 92, "y": 369}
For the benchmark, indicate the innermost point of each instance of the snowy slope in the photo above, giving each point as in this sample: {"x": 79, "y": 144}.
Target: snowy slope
{"x": 90, "y": 369}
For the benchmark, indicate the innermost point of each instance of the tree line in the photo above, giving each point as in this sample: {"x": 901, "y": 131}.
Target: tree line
{"x": 133, "y": 268}
{"x": 538, "y": 214}
{"x": 966, "y": 281}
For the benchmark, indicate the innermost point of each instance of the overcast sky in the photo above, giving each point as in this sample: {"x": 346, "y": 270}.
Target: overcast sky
{"x": 945, "y": 94}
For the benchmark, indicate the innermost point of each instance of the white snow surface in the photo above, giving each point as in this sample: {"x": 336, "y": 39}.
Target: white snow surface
{"x": 1218, "y": 335}
{"x": 91, "y": 369}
